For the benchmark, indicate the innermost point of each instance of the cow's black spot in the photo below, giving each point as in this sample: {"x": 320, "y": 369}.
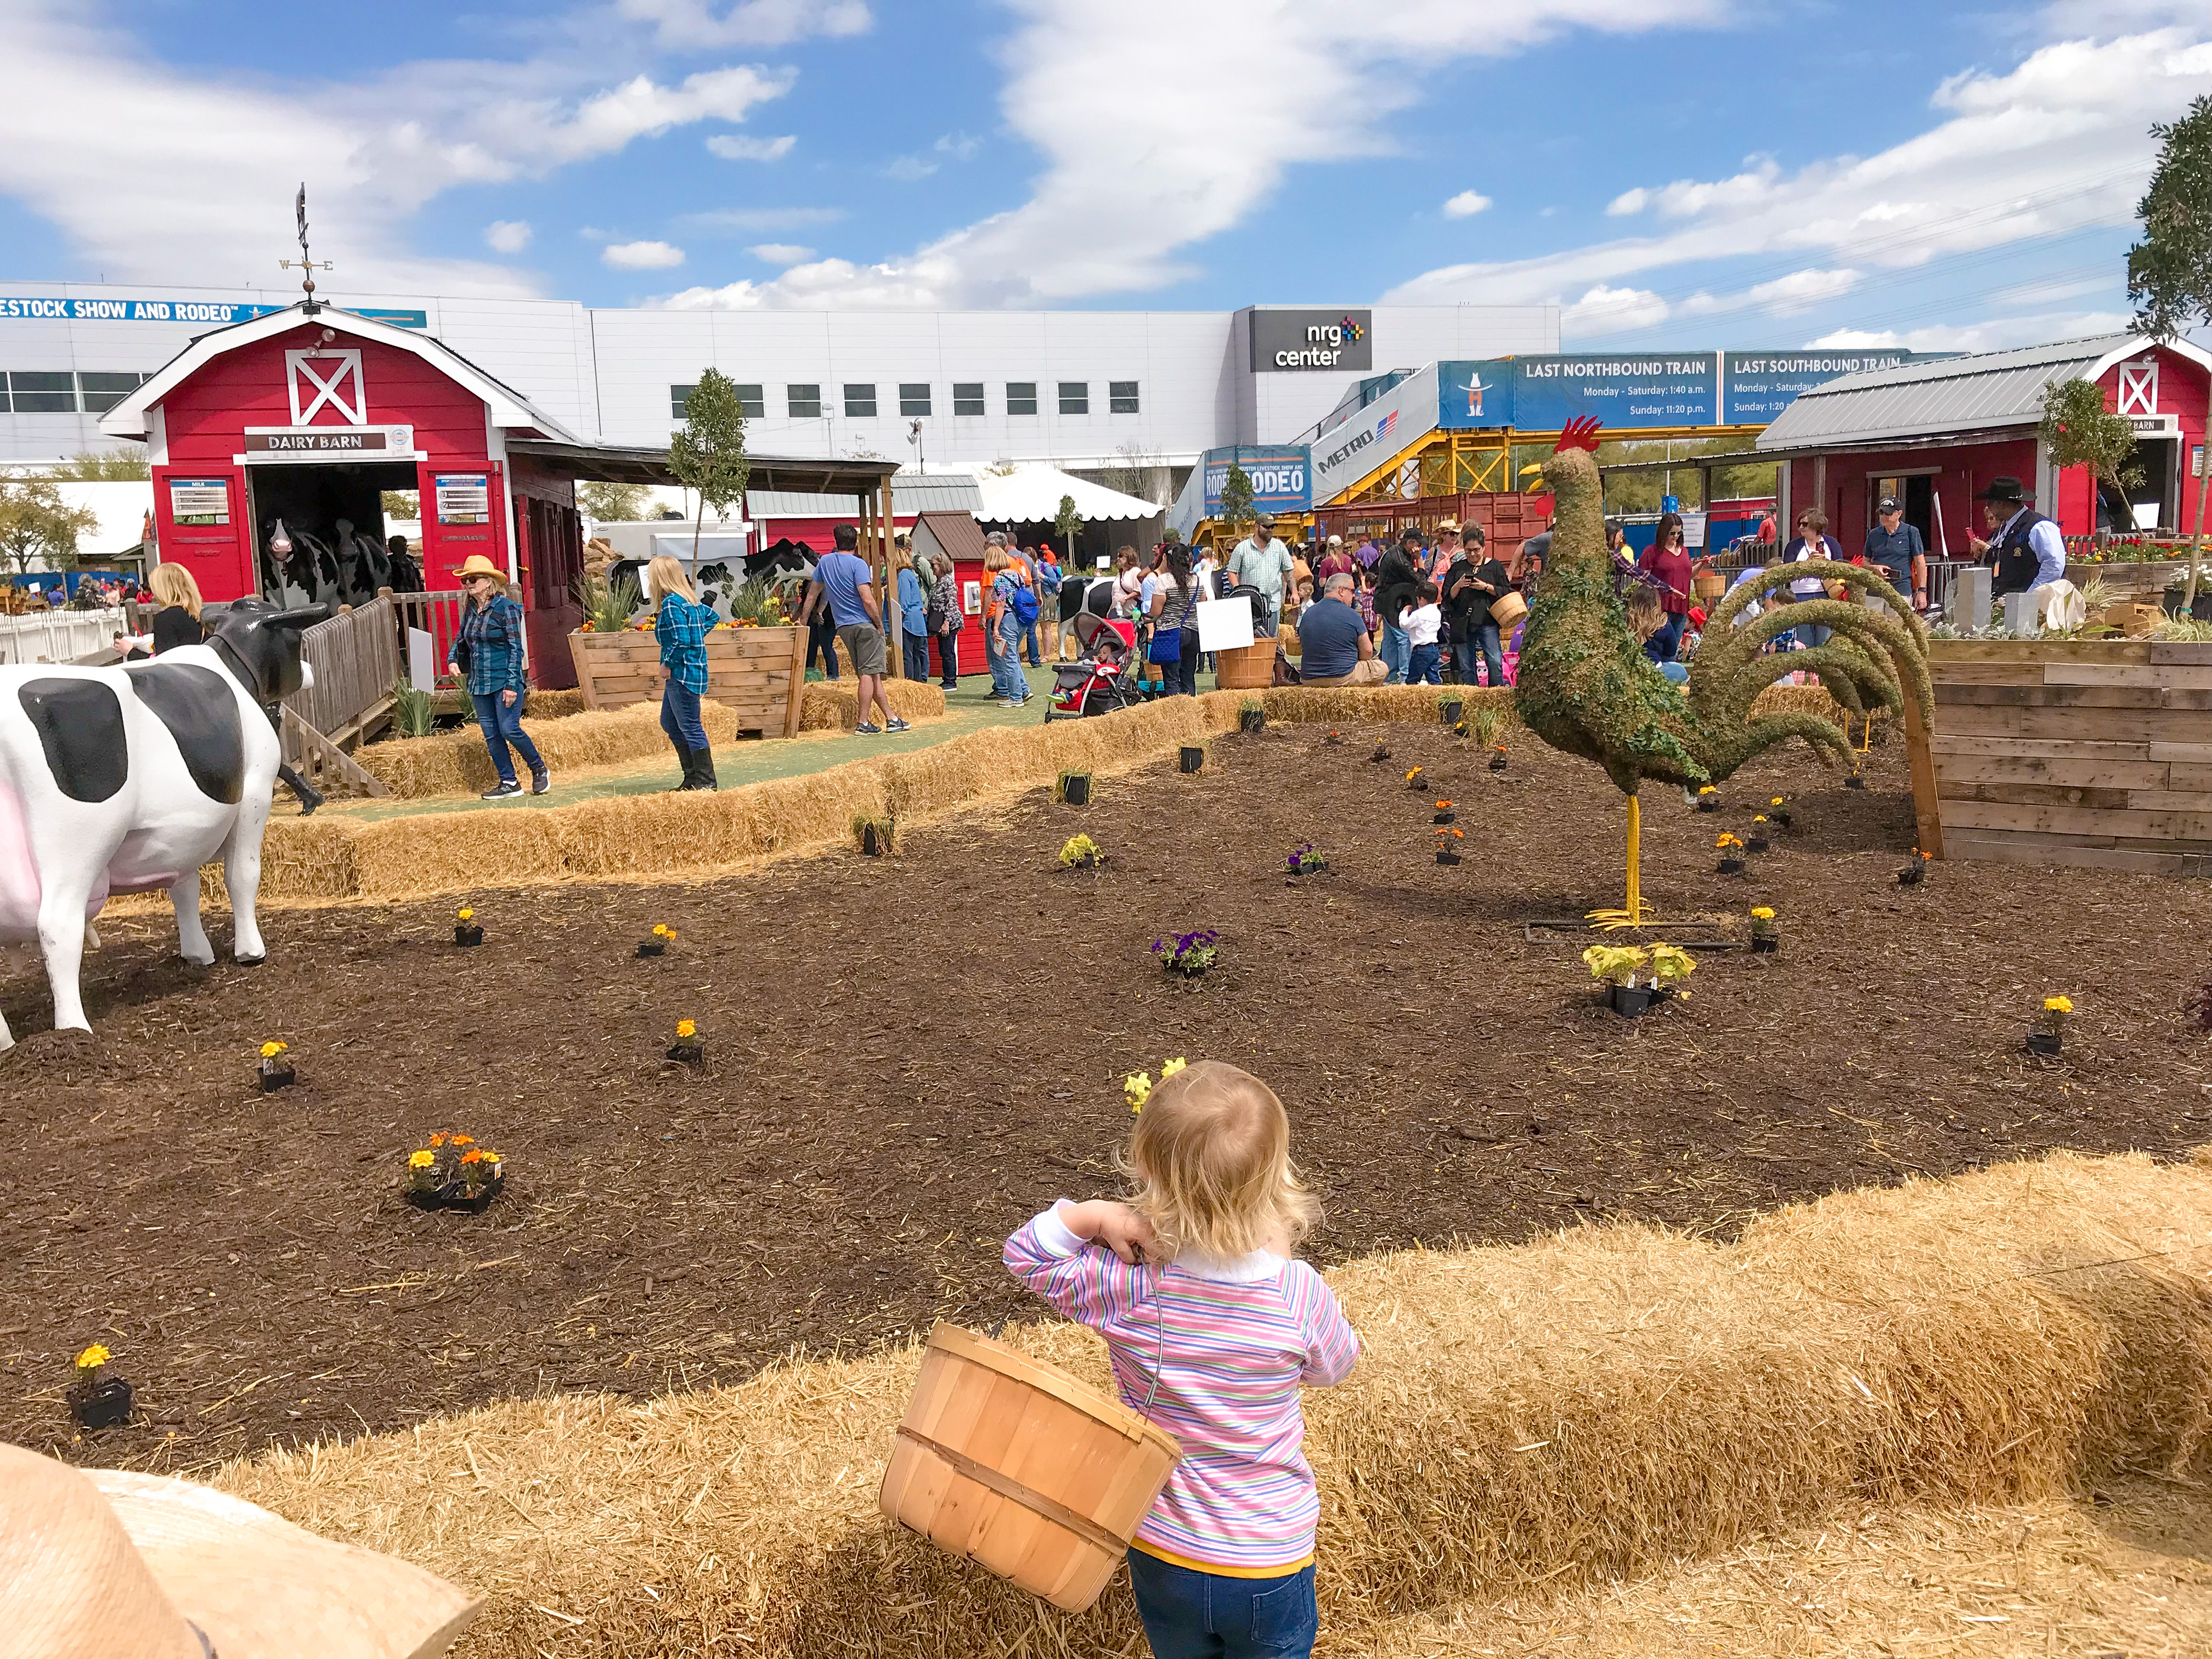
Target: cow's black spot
{"x": 201, "y": 711}
{"x": 80, "y": 724}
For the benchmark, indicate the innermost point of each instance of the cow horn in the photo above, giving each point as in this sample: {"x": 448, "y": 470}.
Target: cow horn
{"x": 298, "y": 615}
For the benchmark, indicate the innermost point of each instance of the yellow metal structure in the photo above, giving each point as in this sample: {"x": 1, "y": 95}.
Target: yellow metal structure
{"x": 1463, "y": 463}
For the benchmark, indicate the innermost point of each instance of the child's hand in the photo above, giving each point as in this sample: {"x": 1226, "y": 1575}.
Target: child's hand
{"x": 1119, "y": 1228}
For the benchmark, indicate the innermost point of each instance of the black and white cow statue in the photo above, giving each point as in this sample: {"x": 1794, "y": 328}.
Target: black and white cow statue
{"x": 126, "y": 780}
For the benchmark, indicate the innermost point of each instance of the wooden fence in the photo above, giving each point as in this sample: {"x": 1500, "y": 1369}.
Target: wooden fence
{"x": 2096, "y": 753}
{"x": 760, "y": 672}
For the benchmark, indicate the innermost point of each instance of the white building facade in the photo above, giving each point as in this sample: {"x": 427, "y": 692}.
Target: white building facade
{"x": 1073, "y": 388}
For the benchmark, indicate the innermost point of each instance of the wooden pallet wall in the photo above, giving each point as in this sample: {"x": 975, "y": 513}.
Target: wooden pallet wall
{"x": 758, "y": 672}
{"x": 2096, "y": 753}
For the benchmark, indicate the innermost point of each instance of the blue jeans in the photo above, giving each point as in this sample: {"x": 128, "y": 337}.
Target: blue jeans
{"x": 1029, "y": 637}
{"x": 1482, "y": 647}
{"x": 1665, "y": 641}
{"x": 822, "y": 636}
{"x": 1396, "y": 648}
{"x": 679, "y": 717}
{"x": 1183, "y": 673}
{"x": 502, "y": 725}
{"x": 914, "y": 650}
{"x": 1007, "y": 664}
{"x": 1423, "y": 666}
{"x": 1189, "y": 1614}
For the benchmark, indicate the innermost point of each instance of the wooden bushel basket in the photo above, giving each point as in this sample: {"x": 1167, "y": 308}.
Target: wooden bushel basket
{"x": 1508, "y": 608}
{"x": 1019, "y": 1467}
{"x": 1708, "y": 586}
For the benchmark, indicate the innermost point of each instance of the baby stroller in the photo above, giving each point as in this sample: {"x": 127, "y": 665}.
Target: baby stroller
{"x": 1097, "y": 682}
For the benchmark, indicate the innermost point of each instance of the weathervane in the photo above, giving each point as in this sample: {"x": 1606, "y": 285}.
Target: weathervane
{"x": 306, "y": 266}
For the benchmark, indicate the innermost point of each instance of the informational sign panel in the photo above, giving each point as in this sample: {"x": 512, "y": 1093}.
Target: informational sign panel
{"x": 315, "y": 443}
{"x": 1475, "y": 395}
{"x": 1759, "y": 384}
{"x": 1291, "y": 342}
{"x": 1225, "y": 624}
{"x": 17, "y": 307}
{"x": 463, "y": 497}
{"x": 1623, "y": 390}
{"x": 1281, "y": 476}
{"x": 199, "y": 500}
{"x": 421, "y": 660}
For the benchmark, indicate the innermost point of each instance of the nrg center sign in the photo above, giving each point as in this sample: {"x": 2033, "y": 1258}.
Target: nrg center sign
{"x": 1285, "y": 342}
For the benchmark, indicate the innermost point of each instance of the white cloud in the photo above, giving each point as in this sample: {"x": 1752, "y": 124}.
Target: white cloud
{"x": 908, "y": 168}
{"x": 960, "y": 146}
{"x": 2057, "y": 143}
{"x": 1466, "y": 205}
{"x": 780, "y": 253}
{"x": 202, "y": 203}
{"x": 641, "y": 256}
{"x": 1800, "y": 290}
{"x": 1129, "y": 180}
{"x": 696, "y": 25}
{"x": 733, "y": 148}
{"x": 1998, "y": 334}
{"x": 1605, "y": 310}
{"x": 507, "y": 235}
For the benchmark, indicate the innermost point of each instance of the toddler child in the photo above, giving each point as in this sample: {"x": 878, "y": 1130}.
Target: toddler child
{"x": 1212, "y": 1328}
{"x": 1423, "y": 623}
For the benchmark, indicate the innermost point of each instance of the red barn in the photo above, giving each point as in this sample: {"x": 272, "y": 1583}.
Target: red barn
{"x": 1935, "y": 434}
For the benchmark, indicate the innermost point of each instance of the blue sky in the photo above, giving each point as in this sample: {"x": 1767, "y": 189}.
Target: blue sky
{"x": 1671, "y": 171}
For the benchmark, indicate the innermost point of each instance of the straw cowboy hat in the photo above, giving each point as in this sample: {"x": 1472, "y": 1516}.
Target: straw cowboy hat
{"x": 477, "y": 565}
{"x": 100, "y": 1563}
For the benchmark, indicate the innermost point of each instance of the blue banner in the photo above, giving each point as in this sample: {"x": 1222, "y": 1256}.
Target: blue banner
{"x": 1475, "y": 395}
{"x": 1761, "y": 385}
{"x": 1623, "y": 390}
{"x": 1281, "y": 475}
{"x": 20, "y": 308}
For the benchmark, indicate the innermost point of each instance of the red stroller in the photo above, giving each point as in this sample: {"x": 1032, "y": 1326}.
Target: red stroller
{"x": 1097, "y": 682}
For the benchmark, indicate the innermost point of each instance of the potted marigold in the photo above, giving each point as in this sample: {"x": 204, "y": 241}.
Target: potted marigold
{"x": 276, "y": 1068}
{"x": 452, "y": 1173}
{"x": 1445, "y": 813}
{"x": 1081, "y": 852}
{"x": 1765, "y": 937}
{"x": 1251, "y": 716}
{"x": 1381, "y": 753}
{"x": 1497, "y": 758}
{"x": 1913, "y": 874}
{"x": 1448, "y": 842}
{"x": 663, "y": 937}
{"x": 1779, "y": 812}
{"x": 1414, "y": 780}
{"x": 1731, "y": 850}
{"x": 96, "y": 1400}
{"x": 688, "y": 1050}
{"x": 467, "y": 930}
{"x": 2051, "y": 1024}
{"x": 1855, "y": 781}
{"x": 1709, "y": 798}
{"x": 1757, "y": 842}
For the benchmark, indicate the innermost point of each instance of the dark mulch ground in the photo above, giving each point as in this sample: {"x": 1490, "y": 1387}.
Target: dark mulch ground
{"x": 910, "y": 1056}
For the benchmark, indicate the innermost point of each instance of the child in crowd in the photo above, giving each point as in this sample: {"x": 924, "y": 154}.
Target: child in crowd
{"x": 1212, "y": 1328}
{"x": 1645, "y": 618}
{"x": 1424, "y": 622}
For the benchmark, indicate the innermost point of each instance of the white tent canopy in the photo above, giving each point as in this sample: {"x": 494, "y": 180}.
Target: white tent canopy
{"x": 1031, "y": 494}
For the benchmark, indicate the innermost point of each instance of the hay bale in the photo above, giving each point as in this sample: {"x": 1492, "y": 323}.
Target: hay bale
{"x": 835, "y": 705}
{"x": 457, "y": 764}
{"x": 1344, "y": 705}
{"x": 1524, "y": 1422}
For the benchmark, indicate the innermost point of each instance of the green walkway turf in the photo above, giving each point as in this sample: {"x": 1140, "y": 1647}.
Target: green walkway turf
{"x": 757, "y": 762}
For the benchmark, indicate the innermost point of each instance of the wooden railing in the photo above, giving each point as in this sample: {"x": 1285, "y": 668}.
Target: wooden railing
{"x": 356, "y": 658}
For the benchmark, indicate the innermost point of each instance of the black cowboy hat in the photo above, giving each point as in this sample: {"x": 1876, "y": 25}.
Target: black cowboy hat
{"x": 2003, "y": 489}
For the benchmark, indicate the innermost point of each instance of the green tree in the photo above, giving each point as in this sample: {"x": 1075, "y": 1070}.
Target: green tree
{"x": 708, "y": 455}
{"x": 402, "y": 503}
{"x": 2081, "y": 432}
{"x": 35, "y": 520}
{"x": 103, "y": 466}
{"x": 1068, "y": 522}
{"x": 2170, "y": 271}
{"x": 1236, "y": 496}
{"x": 613, "y": 503}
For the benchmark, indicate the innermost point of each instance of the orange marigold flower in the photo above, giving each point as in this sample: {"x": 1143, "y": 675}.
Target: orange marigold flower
{"x": 463, "y": 1140}
{"x": 438, "y": 1139}
{"x": 472, "y": 1156}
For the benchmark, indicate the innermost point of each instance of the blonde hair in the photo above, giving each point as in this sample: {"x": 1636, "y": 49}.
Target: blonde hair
{"x": 1645, "y": 615}
{"x": 997, "y": 559}
{"x": 173, "y": 584}
{"x": 663, "y": 576}
{"x": 1211, "y": 1157}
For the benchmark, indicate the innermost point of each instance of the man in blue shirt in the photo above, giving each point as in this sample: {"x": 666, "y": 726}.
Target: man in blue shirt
{"x": 1896, "y": 547}
{"x": 845, "y": 583}
{"x": 1334, "y": 647}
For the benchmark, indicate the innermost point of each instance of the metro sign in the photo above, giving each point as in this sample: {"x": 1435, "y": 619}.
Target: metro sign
{"x": 317, "y": 378}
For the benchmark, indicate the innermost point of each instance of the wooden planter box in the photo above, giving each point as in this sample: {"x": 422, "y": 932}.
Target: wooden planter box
{"x": 757, "y": 672}
{"x": 2088, "y": 752}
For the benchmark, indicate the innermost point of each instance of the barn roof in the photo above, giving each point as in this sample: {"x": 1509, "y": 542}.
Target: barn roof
{"x": 911, "y": 492}
{"x": 957, "y": 533}
{"x": 1988, "y": 391}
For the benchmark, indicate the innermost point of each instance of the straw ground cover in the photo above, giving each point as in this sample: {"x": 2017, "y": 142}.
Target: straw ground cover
{"x": 906, "y": 1057}
{"x": 1526, "y": 1425}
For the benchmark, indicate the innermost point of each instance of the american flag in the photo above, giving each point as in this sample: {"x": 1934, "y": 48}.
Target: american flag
{"x": 1383, "y": 427}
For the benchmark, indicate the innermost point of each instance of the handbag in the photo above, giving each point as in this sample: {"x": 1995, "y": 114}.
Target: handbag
{"x": 1166, "y": 646}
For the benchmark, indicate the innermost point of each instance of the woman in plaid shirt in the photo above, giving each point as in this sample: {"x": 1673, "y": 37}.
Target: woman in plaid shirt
{"x": 489, "y": 644}
{"x": 681, "y": 624}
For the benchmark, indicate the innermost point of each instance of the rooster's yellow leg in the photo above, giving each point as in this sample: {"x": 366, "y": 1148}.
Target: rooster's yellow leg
{"x": 1635, "y": 912}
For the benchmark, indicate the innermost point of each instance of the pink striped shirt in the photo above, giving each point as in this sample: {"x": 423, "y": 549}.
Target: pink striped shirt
{"x": 1232, "y": 1343}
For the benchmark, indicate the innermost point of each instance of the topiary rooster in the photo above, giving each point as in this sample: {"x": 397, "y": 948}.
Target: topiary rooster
{"x": 1585, "y": 685}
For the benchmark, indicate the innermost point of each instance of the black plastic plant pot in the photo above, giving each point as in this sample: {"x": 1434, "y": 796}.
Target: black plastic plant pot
{"x": 458, "y": 1196}
{"x": 1498, "y": 762}
{"x": 690, "y": 1052}
{"x": 1909, "y": 876}
{"x": 1756, "y": 844}
{"x": 1855, "y": 781}
{"x": 1452, "y": 711}
{"x": 1077, "y": 791}
{"x": 1632, "y": 1001}
{"x": 1766, "y": 945}
{"x": 2043, "y": 1042}
{"x": 276, "y": 1075}
{"x": 1252, "y": 720}
{"x": 1709, "y": 803}
{"x": 2170, "y": 600}
{"x": 653, "y": 947}
{"x": 1445, "y": 817}
{"x": 468, "y": 932}
{"x": 1380, "y": 754}
{"x": 873, "y": 842}
{"x": 1780, "y": 817}
{"x": 101, "y": 1405}
{"x": 1444, "y": 857}
{"x": 1187, "y": 969}
{"x": 1190, "y": 759}
{"x": 1333, "y": 738}
{"x": 1730, "y": 867}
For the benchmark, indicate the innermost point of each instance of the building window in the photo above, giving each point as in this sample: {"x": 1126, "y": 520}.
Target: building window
{"x": 914, "y": 399}
{"x": 1121, "y": 396}
{"x": 677, "y": 396}
{"x": 803, "y": 402}
{"x": 967, "y": 397}
{"x": 43, "y": 394}
{"x": 859, "y": 401}
{"x": 1075, "y": 397}
{"x": 102, "y": 392}
{"x": 1021, "y": 396}
{"x": 752, "y": 402}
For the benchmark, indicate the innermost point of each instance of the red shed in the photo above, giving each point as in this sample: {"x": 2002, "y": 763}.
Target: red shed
{"x": 308, "y": 416}
{"x": 1935, "y": 434}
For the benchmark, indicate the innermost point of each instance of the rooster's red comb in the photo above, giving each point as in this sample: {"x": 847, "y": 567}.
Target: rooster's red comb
{"x": 1581, "y": 432}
